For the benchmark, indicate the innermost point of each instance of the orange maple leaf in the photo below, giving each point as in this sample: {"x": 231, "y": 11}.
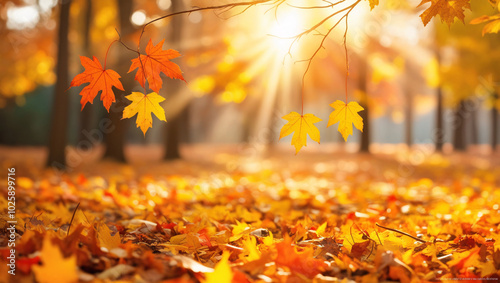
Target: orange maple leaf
{"x": 99, "y": 79}
{"x": 155, "y": 62}
{"x": 446, "y": 9}
{"x": 301, "y": 262}
{"x": 55, "y": 267}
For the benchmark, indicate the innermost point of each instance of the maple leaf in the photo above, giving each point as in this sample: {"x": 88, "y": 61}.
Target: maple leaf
{"x": 222, "y": 271}
{"x": 155, "y": 62}
{"x": 373, "y": 3}
{"x": 143, "y": 106}
{"x": 446, "y": 9}
{"x": 302, "y": 125}
{"x": 99, "y": 79}
{"x": 106, "y": 240}
{"x": 492, "y": 27}
{"x": 301, "y": 262}
{"x": 346, "y": 114}
{"x": 55, "y": 267}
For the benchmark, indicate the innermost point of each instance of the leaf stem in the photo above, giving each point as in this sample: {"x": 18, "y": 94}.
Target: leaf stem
{"x": 138, "y": 55}
{"x": 106, "y": 57}
{"x": 346, "y": 55}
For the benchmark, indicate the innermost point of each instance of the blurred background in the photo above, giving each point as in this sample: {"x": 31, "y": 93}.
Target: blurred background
{"x": 433, "y": 85}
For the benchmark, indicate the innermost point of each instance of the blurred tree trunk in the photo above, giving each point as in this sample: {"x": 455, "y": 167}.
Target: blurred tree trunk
{"x": 409, "y": 120}
{"x": 439, "y": 132}
{"x": 59, "y": 122}
{"x": 408, "y": 107}
{"x": 494, "y": 125}
{"x": 86, "y": 113}
{"x": 175, "y": 124}
{"x": 365, "y": 135}
{"x": 115, "y": 140}
{"x": 459, "y": 143}
{"x": 474, "y": 133}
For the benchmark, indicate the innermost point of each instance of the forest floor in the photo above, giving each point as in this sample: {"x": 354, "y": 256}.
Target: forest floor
{"x": 228, "y": 214}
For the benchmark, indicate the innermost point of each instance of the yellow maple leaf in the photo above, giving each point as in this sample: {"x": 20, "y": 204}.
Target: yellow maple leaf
{"x": 302, "y": 125}
{"x": 55, "y": 267}
{"x": 346, "y": 114}
{"x": 321, "y": 231}
{"x": 143, "y": 106}
{"x": 447, "y": 10}
{"x": 250, "y": 249}
{"x": 373, "y": 3}
{"x": 222, "y": 271}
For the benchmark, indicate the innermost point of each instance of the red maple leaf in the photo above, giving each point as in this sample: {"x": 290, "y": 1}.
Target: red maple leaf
{"x": 155, "y": 62}
{"x": 99, "y": 79}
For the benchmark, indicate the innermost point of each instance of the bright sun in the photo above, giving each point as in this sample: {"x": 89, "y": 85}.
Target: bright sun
{"x": 283, "y": 30}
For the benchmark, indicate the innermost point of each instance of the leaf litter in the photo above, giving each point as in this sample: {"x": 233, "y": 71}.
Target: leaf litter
{"x": 320, "y": 218}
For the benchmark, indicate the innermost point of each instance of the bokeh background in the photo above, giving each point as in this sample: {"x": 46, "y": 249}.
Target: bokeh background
{"x": 244, "y": 72}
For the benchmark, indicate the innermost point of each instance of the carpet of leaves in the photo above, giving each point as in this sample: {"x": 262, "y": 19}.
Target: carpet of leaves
{"x": 277, "y": 219}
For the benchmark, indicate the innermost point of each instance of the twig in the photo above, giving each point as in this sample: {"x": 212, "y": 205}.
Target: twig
{"x": 232, "y": 5}
{"x": 72, "y": 218}
{"x": 138, "y": 55}
{"x": 401, "y": 232}
{"x": 316, "y": 7}
{"x": 379, "y": 238}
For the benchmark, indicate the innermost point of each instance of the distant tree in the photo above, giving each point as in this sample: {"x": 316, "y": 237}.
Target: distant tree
{"x": 115, "y": 140}
{"x": 173, "y": 128}
{"x": 59, "y": 123}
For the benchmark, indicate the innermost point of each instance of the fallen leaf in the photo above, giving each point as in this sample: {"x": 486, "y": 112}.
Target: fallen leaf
{"x": 106, "y": 240}
{"x": 301, "y": 262}
{"x": 55, "y": 268}
{"x": 143, "y": 106}
{"x": 302, "y": 125}
{"x": 222, "y": 271}
{"x": 358, "y": 249}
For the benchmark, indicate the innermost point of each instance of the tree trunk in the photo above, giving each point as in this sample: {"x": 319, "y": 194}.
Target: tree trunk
{"x": 59, "y": 122}
{"x": 494, "y": 125}
{"x": 174, "y": 125}
{"x": 365, "y": 135}
{"x": 115, "y": 140}
{"x": 409, "y": 120}
{"x": 86, "y": 113}
{"x": 474, "y": 133}
{"x": 459, "y": 143}
{"x": 439, "y": 132}
{"x": 409, "y": 107}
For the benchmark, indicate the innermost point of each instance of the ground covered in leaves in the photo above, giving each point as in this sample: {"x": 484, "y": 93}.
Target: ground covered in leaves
{"x": 311, "y": 218}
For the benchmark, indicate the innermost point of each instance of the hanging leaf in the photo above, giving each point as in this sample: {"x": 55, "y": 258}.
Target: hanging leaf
{"x": 346, "y": 114}
{"x": 302, "y": 125}
{"x": 99, "y": 79}
{"x": 155, "y": 62}
{"x": 447, "y": 10}
{"x": 143, "y": 106}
